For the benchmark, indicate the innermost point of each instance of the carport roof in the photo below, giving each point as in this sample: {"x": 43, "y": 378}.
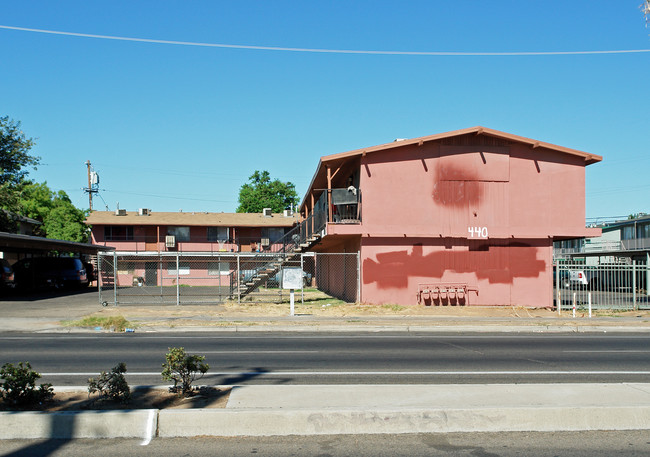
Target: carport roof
{"x": 11, "y": 242}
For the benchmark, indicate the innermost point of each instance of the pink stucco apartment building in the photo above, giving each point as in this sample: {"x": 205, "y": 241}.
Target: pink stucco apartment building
{"x": 150, "y": 231}
{"x": 149, "y": 244}
{"x": 466, "y": 217}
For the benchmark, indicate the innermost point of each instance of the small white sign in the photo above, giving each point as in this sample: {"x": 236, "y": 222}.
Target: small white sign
{"x": 292, "y": 278}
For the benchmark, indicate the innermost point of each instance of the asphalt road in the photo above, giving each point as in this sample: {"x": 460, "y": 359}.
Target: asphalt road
{"x": 574, "y": 444}
{"x": 370, "y": 358}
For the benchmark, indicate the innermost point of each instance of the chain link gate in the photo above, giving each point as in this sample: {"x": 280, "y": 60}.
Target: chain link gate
{"x": 178, "y": 278}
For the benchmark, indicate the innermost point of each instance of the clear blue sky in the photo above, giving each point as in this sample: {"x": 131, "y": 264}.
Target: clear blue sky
{"x": 172, "y": 127}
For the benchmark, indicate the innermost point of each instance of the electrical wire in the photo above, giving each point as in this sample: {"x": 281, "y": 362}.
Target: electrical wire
{"x": 324, "y": 51}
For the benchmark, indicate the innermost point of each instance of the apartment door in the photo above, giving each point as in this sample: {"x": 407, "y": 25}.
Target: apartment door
{"x": 151, "y": 273}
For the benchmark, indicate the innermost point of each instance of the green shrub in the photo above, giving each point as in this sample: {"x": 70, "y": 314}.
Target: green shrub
{"x": 111, "y": 386}
{"x": 184, "y": 369}
{"x": 18, "y": 387}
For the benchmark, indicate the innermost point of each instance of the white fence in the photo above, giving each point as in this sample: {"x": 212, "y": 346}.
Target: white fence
{"x": 608, "y": 286}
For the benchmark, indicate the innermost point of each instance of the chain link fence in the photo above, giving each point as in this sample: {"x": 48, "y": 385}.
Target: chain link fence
{"x": 620, "y": 286}
{"x": 179, "y": 278}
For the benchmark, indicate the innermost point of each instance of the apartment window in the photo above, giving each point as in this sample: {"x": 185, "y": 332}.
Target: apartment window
{"x": 627, "y": 233}
{"x": 272, "y": 233}
{"x": 218, "y": 234}
{"x": 126, "y": 267}
{"x": 183, "y": 268}
{"x": 643, "y": 231}
{"x": 181, "y": 233}
{"x": 118, "y": 233}
{"x": 218, "y": 268}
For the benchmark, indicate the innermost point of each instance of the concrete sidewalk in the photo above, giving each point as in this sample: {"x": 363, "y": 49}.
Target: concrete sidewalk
{"x": 407, "y": 324}
{"x": 361, "y": 409}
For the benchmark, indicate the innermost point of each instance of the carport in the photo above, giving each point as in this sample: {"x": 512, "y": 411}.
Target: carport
{"x": 36, "y": 245}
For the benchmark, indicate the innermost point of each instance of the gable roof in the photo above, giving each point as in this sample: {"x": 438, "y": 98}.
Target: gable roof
{"x": 478, "y": 130}
{"x": 589, "y": 158}
{"x": 192, "y": 219}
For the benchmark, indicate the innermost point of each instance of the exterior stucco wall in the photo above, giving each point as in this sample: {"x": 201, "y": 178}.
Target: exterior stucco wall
{"x": 442, "y": 191}
{"x": 495, "y": 272}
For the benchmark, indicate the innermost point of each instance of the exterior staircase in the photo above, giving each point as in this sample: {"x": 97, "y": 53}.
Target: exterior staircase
{"x": 292, "y": 245}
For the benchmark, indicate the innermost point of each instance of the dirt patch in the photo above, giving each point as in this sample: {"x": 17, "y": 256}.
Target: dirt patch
{"x": 141, "y": 398}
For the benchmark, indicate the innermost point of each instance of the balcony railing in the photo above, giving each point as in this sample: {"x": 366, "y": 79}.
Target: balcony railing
{"x": 604, "y": 246}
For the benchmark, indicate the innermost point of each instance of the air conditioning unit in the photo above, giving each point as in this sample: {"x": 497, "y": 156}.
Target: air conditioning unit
{"x": 170, "y": 241}
{"x": 120, "y": 212}
{"x": 144, "y": 212}
{"x": 288, "y": 213}
{"x": 267, "y": 212}
{"x": 265, "y": 242}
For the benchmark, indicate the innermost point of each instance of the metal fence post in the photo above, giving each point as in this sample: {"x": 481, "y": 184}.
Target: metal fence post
{"x": 557, "y": 288}
{"x": 359, "y": 277}
{"x": 178, "y": 286}
{"x": 238, "y": 279}
{"x": 99, "y": 276}
{"x": 115, "y": 278}
{"x": 302, "y": 283}
{"x": 634, "y": 285}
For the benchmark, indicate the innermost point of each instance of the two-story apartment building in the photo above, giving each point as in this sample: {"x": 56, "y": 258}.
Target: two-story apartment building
{"x": 209, "y": 244}
{"x": 463, "y": 217}
{"x": 149, "y": 231}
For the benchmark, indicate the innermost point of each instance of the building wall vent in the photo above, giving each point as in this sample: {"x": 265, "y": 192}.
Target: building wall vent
{"x": 120, "y": 212}
{"x": 144, "y": 212}
{"x": 170, "y": 241}
{"x": 267, "y": 212}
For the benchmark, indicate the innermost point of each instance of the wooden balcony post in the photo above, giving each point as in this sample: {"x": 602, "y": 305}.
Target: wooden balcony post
{"x": 329, "y": 194}
{"x": 312, "y": 211}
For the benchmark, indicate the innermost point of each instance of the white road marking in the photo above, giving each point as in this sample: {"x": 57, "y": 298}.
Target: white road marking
{"x": 380, "y": 373}
{"x": 622, "y": 351}
{"x": 255, "y": 352}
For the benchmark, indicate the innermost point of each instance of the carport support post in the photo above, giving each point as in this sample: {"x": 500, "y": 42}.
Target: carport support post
{"x": 178, "y": 290}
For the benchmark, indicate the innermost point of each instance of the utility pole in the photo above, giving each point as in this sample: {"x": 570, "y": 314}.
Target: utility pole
{"x": 93, "y": 184}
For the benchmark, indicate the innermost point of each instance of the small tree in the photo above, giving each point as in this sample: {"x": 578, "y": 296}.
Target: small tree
{"x": 18, "y": 387}
{"x": 111, "y": 386}
{"x": 184, "y": 369}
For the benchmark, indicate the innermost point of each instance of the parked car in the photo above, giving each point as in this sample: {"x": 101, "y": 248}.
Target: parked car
{"x": 603, "y": 277}
{"x": 6, "y": 275}
{"x": 39, "y": 272}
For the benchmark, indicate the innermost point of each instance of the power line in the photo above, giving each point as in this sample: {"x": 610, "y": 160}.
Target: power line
{"x": 324, "y": 51}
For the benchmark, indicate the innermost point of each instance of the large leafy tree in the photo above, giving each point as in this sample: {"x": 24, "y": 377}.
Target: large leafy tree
{"x": 14, "y": 152}
{"x": 15, "y": 161}
{"x": 262, "y": 192}
{"x": 61, "y": 219}
{"x": 19, "y": 196}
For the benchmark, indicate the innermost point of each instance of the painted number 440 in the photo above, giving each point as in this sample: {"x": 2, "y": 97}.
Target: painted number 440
{"x": 477, "y": 232}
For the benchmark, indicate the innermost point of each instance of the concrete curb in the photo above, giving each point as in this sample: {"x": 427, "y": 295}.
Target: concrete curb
{"x": 79, "y": 424}
{"x": 147, "y": 424}
{"x": 381, "y": 328}
{"x": 188, "y": 423}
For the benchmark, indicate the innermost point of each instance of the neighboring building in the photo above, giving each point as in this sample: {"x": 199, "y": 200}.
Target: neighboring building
{"x": 208, "y": 242}
{"x": 620, "y": 242}
{"x": 144, "y": 230}
{"x": 464, "y": 217}
{"x": 25, "y": 225}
